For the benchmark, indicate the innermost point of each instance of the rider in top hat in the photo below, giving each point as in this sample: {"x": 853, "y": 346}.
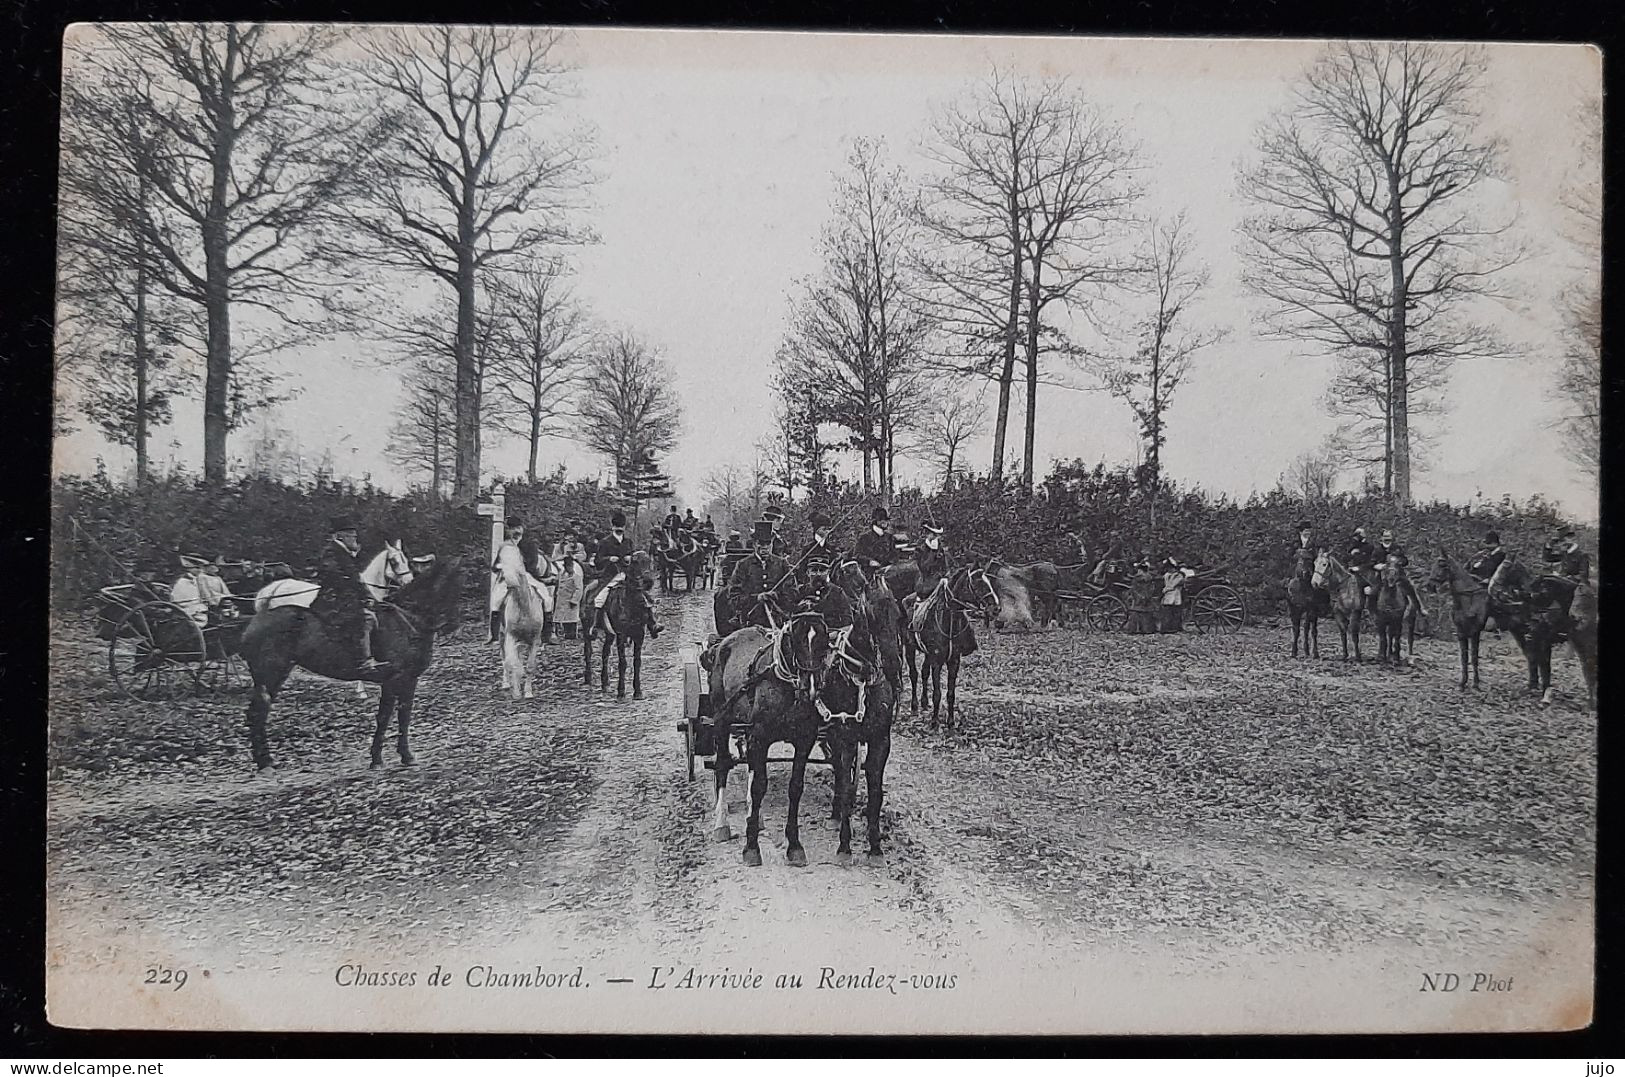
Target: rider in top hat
{"x": 876, "y": 548}
{"x": 672, "y": 523}
{"x": 1362, "y": 561}
{"x": 611, "y": 557}
{"x": 1565, "y": 558}
{"x": 761, "y": 578}
{"x": 342, "y": 597}
{"x": 774, "y": 514}
{"x": 1482, "y": 565}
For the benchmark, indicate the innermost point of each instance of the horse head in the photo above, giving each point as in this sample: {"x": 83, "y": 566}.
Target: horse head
{"x": 972, "y": 589}
{"x": 397, "y": 569}
{"x": 641, "y": 570}
{"x": 1444, "y": 568}
{"x": 1303, "y": 564}
{"x": 435, "y": 595}
{"x": 1323, "y": 566}
{"x": 807, "y": 649}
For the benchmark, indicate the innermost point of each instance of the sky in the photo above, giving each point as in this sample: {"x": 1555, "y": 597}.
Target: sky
{"x": 717, "y": 151}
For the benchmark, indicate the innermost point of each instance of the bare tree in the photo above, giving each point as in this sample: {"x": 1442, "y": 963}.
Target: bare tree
{"x": 1030, "y": 189}
{"x": 1361, "y": 396}
{"x": 1313, "y": 475}
{"x": 1365, "y": 235}
{"x": 853, "y": 353}
{"x": 236, "y": 154}
{"x": 541, "y": 337}
{"x": 946, "y": 429}
{"x": 1579, "y": 382}
{"x": 736, "y": 493}
{"x": 1168, "y": 338}
{"x": 423, "y": 436}
{"x": 471, "y": 175}
{"x": 627, "y": 403}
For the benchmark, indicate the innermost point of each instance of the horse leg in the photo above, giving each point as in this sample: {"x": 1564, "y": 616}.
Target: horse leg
{"x": 511, "y": 676}
{"x": 934, "y": 666}
{"x": 914, "y": 675}
{"x": 720, "y": 830}
{"x": 530, "y": 667}
{"x": 846, "y": 750}
{"x": 1297, "y": 623}
{"x": 1545, "y": 672}
{"x": 1465, "y": 646}
{"x": 1314, "y": 627}
{"x": 756, "y": 747}
{"x": 603, "y": 660}
{"x": 1475, "y": 659}
{"x": 386, "y": 707}
{"x": 586, "y": 648}
{"x": 794, "y": 854}
{"x": 620, "y": 666}
{"x": 874, "y": 767}
{"x": 403, "y": 720}
{"x": 953, "y": 681}
{"x": 266, "y": 685}
{"x": 637, "y": 667}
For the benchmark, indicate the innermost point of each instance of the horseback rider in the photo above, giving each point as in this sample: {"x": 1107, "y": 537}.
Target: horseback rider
{"x": 672, "y": 524}
{"x": 342, "y": 600}
{"x": 819, "y": 556}
{"x": 763, "y": 577}
{"x": 1386, "y": 550}
{"x": 1564, "y": 557}
{"x": 876, "y": 549}
{"x": 689, "y": 523}
{"x": 611, "y": 557}
{"x": 932, "y": 561}
{"x": 539, "y": 572}
{"x": 1482, "y": 565}
{"x": 1362, "y": 564}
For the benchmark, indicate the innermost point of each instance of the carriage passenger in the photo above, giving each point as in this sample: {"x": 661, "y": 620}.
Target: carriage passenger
{"x": 189, "y": 591}
{"x": 690, "y": 523}
{"x": 672, "y": 524}
{"x": 1171, "y": 610}
{"x": 762, "y": 578}
{"x": 342, "y": 600}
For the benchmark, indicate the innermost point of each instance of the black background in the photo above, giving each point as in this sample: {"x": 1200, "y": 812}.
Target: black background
{"x": 30, "y": 69}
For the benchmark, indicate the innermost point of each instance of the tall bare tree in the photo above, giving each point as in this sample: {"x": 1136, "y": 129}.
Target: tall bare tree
{"x": 1029, "y": 192}
{"x": 472, "y": 175}
{"x": 1313, "y": 475}
{"x": 627, "y": 402}
{"x": 541, "y": 337}
{"x": 1167, "y": 338}
{"x": 1579, "y": 381}
{"x": 1366, "y": 233}
{"x": 856, "y": 340}
{"x": 737, "y": 493}
{"x": 945, "y": 429}
{"x": 235, "y": 141}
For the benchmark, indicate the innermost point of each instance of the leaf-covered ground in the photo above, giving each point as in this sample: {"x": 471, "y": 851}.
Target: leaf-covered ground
{"x": 1204, "y": 792}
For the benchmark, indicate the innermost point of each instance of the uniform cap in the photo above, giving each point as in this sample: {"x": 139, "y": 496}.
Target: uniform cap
{"x": 514, "y": 522}
{"x": 880, "y": 514}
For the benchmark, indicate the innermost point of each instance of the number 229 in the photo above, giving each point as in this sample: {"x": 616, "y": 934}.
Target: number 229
{"x": 160, "y": 975}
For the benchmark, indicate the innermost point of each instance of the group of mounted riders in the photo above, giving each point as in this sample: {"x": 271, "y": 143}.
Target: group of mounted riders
{"x": 1561, "y": 557}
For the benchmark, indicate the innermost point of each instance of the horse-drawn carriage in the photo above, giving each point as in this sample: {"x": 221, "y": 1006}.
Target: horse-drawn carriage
{"x": 699, "y": 728}
{"x": 1212, "y": 604}
{"x": 159, "y": 651}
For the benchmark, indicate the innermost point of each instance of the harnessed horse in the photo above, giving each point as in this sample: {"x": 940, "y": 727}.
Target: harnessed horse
{"x": 857, "y": 703}
{"x": 768, "y": 680}
{"x": 1536, "y": 610}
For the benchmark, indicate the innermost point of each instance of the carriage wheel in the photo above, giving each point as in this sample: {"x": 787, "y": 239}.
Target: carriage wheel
{"x": 1106, "y": 613}
{"x": 1218, "y": 608}
{"x": 156, "y": 653}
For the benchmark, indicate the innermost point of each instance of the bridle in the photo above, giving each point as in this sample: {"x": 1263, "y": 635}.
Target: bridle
{"x": 856, "y": 670}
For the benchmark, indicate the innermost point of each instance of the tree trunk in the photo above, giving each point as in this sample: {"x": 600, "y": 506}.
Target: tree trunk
{"x": 437, "y": 469}
{"x": 1398, "y": 401}
{"x": 141, "y": 357}
{"x": 466, "y": 469}
{"x": 868, "y": 481}
{"x": 217, "y": 369}
{"x": 1030, "y": 439}
{"x": 535, "y": 439}
{"x": 1007, "y": 372}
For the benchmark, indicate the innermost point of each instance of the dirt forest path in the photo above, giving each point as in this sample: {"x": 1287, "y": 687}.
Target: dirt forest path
{"x": 1191, "y": 810}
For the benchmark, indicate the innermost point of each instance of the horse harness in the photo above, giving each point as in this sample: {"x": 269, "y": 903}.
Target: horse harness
{"x": 778, "y": 665}
{"x": 857, "y": 671}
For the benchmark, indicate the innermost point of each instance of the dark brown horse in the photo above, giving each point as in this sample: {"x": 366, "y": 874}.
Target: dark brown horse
{"x": 1469, "y": 608}
{"x": 1535, "y": 609}
{"x": 1306, "y": 602}
{"x": 857, "y": 702}
{"x": 1347, "y": 598}
{"x": 767, "y": 681}
{"x": 882, "y": 604}
{"x": 623, "y": 619}
{"x": 1395, "y": 615}
{"x": 279, "y": 639}
{"x": 940, "y": 628}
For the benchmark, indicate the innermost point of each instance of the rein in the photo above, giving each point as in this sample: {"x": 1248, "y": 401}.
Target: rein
{"x": 867, "y": 673}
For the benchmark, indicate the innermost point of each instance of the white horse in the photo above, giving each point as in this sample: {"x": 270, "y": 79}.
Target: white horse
{"x": 387, "y": 571}
{"x": 523, "y": 613}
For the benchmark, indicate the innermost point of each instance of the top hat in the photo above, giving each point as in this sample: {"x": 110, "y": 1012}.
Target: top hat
{"x": 617, "y": 518}
{"x": 514, "y": 522}
{"x": 341, "y": 523}
{"x": 818, "y": 519}
{"x": 762, "y": 532}
{"x": 880, "y": 514}
{"x": 1305, "y": 525}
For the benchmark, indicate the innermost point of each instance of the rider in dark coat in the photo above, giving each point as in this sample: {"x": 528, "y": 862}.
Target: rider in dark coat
{"x": 1564, "y": 557}
{"x": 876, "y": 548}
{"x": 612, "y": 556}
{"x": 1482, "y": 565}
{"x": 342, "y": 600}
{"x": 763, "y": 576}
{"x": 1362, "y": 561}
{"x": 932, "y": 560}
